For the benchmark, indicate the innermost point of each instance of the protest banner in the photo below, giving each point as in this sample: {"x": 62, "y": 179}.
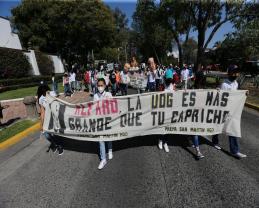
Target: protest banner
{"x": 110, "y": 67}
{"x": 191, "y": 112}
{"x": 138, "y": 82}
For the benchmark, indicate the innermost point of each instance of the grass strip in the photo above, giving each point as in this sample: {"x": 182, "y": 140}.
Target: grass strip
{"x": 16, "y": 128}
{"x": 23, "y": 92}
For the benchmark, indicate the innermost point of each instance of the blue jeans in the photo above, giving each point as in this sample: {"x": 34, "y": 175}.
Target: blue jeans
{"x": 50, "y": 138}
{"x": 151, "y": 86}
{"x": 124, "y": 89}
{"x": 114, "y": 89}
{"x": 54, "y": 87}
{"x": 195, "y": 140}
{"x": 233, "y": 143}
{"x": 67, "y": 90}
{"x": 103, "y": 149}
{"x": 73, "y": 85}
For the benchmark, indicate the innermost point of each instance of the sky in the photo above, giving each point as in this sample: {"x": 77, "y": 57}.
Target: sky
{"x": 128, "y": 7}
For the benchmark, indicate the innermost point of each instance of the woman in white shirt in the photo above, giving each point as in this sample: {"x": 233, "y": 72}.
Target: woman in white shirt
{"x": 169, "y": 88}
{"x": 43, "y": 103}
{"x": 102, "y": 94}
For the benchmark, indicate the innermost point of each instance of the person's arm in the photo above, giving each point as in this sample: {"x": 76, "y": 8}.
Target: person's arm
{"x": 42, "y": 115}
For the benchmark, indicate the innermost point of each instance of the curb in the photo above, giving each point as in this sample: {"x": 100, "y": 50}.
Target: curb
{"x": 13, "y": 140}
{"x": 253, "y": 106}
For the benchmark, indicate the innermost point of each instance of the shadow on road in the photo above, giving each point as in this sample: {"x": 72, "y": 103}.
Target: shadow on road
{"x": 183, "y": 141}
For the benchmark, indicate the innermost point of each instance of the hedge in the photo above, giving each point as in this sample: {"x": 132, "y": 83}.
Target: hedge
{"x": 45, "y": 64}
{"x": 13, "y": 64}
{"x": 15, "y": 87}
{"x": 12, "y": 84}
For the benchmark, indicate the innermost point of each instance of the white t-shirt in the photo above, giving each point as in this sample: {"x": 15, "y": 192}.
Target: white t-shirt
{"x": 43, "y": 101}
{"x": 169, "y": 88}
{"x": 107, "y": 80}
{"x": 151, "y": 76}
{"x": 185, "y": 74}
{"x": 100, "y": 75}
{"x": 228, "y": 85}
{"x": 99, "y": 96}
{"x": 73, "y": 77}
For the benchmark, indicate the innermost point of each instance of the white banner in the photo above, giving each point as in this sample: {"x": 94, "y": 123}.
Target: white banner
{"x": 138, "y": 82}
{"x": 191, "y": 112}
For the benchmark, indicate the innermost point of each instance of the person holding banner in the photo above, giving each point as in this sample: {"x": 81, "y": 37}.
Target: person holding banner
{"x": 169, "y": 88}
{"x": 199, "y": 84}
{"x": 230, "y": 84}
{"x": 102, "y": 94}
{"x": 41, "y": 93}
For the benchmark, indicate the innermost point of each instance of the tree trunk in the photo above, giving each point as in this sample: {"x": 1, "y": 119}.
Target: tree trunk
{"x": 156, "y": 55}
{"x": 201, "y": 49}
{"x": 180, "y": 55}
{"x": 180, "y": 50}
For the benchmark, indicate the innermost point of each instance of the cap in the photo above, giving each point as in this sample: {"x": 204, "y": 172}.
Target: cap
{"x": 232, "y": 69}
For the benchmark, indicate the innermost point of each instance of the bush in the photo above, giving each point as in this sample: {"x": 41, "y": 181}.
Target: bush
{"x": 45, "y": 64}
{"x": 32, "y": 79}
{"x": 15, "y": 87}
{"x": 13, "y": 64}
{"x": 12, "y": 84}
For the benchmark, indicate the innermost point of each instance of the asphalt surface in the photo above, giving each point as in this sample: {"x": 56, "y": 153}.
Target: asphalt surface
{"x": 140, "y": 175}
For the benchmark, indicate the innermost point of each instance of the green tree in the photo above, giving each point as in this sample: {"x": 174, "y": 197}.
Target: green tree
{"x": 152, "y": 39}
{"x": 121, "y": 39}
{"x": 189, "y": 51}
{"x": 114, "y": 52}
{"x": 175, "y": 16}
{"x": 240, "y": 46}
{"x": 70, "y": 28}
{"x": 212, "y": 14}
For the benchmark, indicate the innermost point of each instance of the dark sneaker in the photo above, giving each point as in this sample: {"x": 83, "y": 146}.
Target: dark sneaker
{"x": 53, "y": 147}
{"x": 60, "y": 150}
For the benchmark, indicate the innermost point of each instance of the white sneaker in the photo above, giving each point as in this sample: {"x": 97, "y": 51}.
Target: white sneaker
{"x": 217, "y": 147}
{"x": 160, "y": 144}
{"x": 240, "y": 155}
{"x": 110, "y": 155}
{"x": 199, "y": 155}
{"x": 102, "y": 164}
{"x": 166, "y": 147}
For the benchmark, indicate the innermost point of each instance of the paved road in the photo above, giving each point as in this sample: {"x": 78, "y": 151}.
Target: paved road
{"x": 140, "y": 175}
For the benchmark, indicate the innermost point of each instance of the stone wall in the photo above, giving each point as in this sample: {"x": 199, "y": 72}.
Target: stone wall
{"x": 16, "y": 109}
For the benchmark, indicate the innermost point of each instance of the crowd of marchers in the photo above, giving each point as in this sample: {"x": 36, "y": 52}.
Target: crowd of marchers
{"x": 103, "y": 82}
